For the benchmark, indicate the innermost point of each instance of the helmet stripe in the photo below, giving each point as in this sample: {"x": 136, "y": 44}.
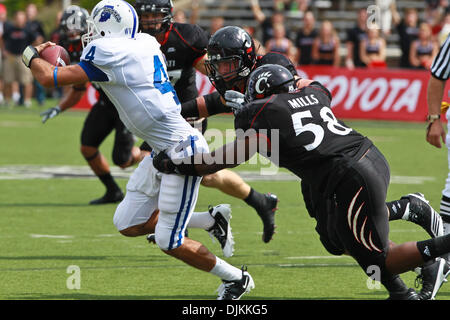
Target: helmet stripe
{"x": 134, "y": 19}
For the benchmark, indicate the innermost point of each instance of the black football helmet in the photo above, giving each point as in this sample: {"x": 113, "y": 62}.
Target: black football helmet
{"x": 277, "y": 58}
{"x": 231, "y": 58}
{"x": 164, "y": 7}
{"x": 72, "y": 26}
{"x": 267, "y": 80}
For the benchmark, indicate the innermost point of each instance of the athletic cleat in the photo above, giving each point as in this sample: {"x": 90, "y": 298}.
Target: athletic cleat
{"x": 409, "y": 294}
{"x": 151, "y": 238}
{"x": 221, "y": 230}
{"x": 234, "y": 290}
{"x": 421, "y": 213}
{"x": 109, "y": 197}
{"x": 432, "y": 277}
{"x": 267, "y": 215}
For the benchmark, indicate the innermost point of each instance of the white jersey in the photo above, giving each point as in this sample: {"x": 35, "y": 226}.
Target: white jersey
{"x": 133, "y": 74}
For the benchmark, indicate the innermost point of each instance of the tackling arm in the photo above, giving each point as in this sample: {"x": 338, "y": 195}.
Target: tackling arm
{"x": 228, "y": 156}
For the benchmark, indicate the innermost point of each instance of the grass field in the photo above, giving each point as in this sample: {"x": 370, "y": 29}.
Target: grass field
{"x": 46, "y": 225}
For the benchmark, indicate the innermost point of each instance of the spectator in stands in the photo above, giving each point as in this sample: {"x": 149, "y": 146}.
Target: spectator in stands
{"x": 304, "y": 40}
{"x": 372, "y": 50}
{"x": 280, "y": 43}
{"x": 445, "y": 28}
{"x": 354, "y": 37}
{"x": 408, "y": 30}
{"x": 325, "y": 49}
{"x": 33, "y": 24}
{"x": 215, "y": 24}
{"x": 424, "y": 49}
{"x": 36, "y": 27}
{"x": 435, "y": 10}
{"x": 266, "y": 22}
{"x": 16, "y": 38}
{"x": 386, "y": 8}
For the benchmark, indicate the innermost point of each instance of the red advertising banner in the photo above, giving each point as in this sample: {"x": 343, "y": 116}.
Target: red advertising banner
{"x": 385, "y": 94}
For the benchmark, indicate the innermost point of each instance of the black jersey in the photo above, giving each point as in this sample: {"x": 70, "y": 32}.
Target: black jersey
{"x": 183, "y": 45}
{"x": 313, "y": 144}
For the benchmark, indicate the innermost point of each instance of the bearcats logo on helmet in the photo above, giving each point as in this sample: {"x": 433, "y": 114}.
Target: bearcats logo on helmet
{"x": 262, "y": 79}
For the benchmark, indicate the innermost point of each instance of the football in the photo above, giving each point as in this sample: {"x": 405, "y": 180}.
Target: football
{"x": 56, "y": 55}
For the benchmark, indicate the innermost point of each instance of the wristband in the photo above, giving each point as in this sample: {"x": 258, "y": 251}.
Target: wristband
{"x": 55, "y": 77}
{"x": 28, "y": 55}
{"x": 432, "y": 117}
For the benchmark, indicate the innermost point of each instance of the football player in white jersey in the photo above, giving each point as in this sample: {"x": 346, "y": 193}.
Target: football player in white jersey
{"x": 131, "y": 70}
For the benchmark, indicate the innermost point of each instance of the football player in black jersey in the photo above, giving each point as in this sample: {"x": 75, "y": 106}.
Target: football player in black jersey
{"x": 102, "y": 118}
{"x": 184, "y": 46}
{"x": 332, "y": 159}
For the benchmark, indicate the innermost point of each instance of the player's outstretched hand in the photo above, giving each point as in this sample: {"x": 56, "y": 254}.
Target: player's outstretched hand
{"x": 50, "y": 113}
{"x": 234, "y": 99}
{"x": 163, "y": 163}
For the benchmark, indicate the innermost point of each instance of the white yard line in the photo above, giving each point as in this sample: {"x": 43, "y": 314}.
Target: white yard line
{"x": 25, "y": 172}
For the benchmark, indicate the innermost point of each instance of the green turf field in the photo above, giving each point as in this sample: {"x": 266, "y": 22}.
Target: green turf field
{"x": 46, "y": 226}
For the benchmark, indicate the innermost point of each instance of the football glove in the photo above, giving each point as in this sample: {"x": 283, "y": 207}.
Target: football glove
{"x": 234, "y": 99}
{"x": 50, "y": 113}
{"x": 163, "y": 163}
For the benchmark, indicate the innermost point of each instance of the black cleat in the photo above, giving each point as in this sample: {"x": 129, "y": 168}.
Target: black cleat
{"x": 432, "y": 277}
{"x": 221, "y": 230}
{"x": 109, "y": 197}
{"x": 267, "y": 214}
{"x": 234, "y": 290}
{"x": 421, "y": 213}
{"x": 151, "y": 238}
{"x": 409, "y": 294}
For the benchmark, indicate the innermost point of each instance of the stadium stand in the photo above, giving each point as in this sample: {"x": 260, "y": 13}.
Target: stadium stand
{"x": 341, "y": 13}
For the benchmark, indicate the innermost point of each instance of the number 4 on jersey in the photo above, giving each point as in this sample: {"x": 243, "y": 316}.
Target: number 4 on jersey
{"x": 163, "y": 85}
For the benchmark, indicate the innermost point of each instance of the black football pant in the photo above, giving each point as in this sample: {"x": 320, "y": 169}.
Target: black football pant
{"x": 100, "y": 122}
{"x": 362, "y": 222}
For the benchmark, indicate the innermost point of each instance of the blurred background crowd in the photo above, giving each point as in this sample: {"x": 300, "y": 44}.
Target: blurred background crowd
{"x": 343, "y": 33}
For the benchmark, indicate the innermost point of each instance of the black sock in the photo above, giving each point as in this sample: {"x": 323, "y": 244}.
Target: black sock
{"x": 397, "y": 208}
{"x": 108, "y": 180}
{"x": 254, "y": 199}
{"x": 433, "y": 248}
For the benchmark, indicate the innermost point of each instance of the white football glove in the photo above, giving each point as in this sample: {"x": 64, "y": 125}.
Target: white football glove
{"x": 234, "y": 99}
{"x": 50, "y": 113}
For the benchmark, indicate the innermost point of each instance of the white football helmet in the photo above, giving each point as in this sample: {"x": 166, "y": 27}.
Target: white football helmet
{"x": 111, "y": 19}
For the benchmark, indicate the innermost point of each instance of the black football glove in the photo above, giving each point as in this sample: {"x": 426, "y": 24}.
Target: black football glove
{"x": 163, "y": 163}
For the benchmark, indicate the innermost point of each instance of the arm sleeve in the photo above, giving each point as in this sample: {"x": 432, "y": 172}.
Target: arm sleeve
{"x": 440, "y": 68}
{"x": 93, "y": 59}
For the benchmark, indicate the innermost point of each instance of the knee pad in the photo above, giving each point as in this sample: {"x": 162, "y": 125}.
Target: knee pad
{"x": 168, "y": 236}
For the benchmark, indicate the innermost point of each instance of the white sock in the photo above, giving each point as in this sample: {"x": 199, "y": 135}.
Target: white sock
{"x": 201, "y": 220}
{"x": 226, "y": 271}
